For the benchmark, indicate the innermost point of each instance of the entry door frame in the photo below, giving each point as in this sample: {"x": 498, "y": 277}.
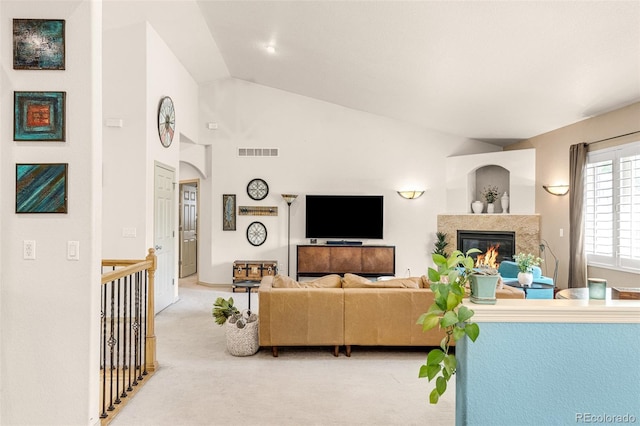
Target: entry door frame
{"x": 196, "y": 183}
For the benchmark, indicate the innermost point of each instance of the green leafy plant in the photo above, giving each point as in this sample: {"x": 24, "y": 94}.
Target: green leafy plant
{"x": 440, "y": 244}
{"x": 223, "y": 309}
{"x": 490, "y": 193}
{"x": 526, "y": 262}
{"x": 448, "y": 284}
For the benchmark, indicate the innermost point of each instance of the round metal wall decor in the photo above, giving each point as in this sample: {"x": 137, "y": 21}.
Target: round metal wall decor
{"x": 258, "y": 189}
{"x": 166, "y": 121}
{"x": 256, "y": 233}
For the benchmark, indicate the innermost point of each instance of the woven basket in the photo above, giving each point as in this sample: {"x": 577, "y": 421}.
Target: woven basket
{"x": 242, "y": 341}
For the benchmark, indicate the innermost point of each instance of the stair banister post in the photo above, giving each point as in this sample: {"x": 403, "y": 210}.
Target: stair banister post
{"x": 150, "y": 342}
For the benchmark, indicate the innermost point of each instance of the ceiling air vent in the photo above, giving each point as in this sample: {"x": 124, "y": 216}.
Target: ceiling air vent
{"x": 258, "y": 152}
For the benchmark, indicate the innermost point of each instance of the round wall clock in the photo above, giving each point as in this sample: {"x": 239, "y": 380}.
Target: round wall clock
{"x": 258, "y": 189}
{"x": 166, "y": 121}
{"x": 256, "y": 233}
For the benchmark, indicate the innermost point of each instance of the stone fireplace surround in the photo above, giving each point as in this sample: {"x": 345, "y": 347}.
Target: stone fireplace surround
{"x": 526, "y": 228}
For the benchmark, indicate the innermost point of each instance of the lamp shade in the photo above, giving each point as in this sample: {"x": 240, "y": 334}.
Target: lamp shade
{"x": 410, "y": 195}
{"x": 556, "y": 189}
{"x": 289, "y": 198}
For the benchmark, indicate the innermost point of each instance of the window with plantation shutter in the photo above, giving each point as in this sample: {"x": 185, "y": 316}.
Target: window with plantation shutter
{"x": 612, "y": 207}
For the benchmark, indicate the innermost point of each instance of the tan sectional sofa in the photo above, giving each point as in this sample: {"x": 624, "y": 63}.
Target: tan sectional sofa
{"x": 335, "y": 311}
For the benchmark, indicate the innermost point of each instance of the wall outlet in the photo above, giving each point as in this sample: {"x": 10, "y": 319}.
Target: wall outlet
{"x": 29, "y": 249}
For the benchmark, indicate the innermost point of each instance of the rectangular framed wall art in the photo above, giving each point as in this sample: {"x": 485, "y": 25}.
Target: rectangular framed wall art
{"x": 228, "y": 212}
{"x": 38, "y": 44}
{"x": 39, "y": 116}
{"x": 41, "y": 188}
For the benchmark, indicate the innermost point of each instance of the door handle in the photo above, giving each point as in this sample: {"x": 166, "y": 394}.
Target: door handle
{"x": 158, "y": 247}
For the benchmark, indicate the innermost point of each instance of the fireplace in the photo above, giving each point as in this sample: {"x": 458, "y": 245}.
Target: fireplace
{"x": 505, "y": 241}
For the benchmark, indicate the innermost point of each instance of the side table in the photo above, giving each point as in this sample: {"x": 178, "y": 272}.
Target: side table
{"x": 578, "y": 293}
{"x": 248, "y": 285}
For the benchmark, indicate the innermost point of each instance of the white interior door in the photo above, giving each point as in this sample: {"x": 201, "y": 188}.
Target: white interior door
{"x": 188, "y": 227}
{"x": 164, "y": 236}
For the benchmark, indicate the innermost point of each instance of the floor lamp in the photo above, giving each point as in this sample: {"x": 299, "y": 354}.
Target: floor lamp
{"x": 289, "y": 198}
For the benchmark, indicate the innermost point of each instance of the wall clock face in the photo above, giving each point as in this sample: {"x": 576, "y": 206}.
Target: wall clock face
{"x": 256, "y": 233}
{"x": 166, "y": 121}
{"x": 258, "y": 189}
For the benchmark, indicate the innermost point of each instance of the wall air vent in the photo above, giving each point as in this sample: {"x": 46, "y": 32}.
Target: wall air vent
{"x": 258, "y": 152}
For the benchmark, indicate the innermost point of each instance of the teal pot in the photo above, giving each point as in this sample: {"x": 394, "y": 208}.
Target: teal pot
{"x": 483, "y": 288}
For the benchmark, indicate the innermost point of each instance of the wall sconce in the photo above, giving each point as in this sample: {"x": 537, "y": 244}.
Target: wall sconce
{"x": 410, "y": 195}
{"x": 556, "y": 189}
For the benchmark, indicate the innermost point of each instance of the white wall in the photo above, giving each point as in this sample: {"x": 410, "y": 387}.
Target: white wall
{"x": 125, "y": 166}
{"x": 48, "y": 368}
{"x": 461, "y": 184}
{"x": 324, "y": 149}
{"x": 140, "y": 69}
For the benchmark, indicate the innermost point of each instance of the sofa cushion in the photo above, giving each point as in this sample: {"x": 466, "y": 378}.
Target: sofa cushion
{"x": 327, "y": 281}
{"x": 356, "y": 281}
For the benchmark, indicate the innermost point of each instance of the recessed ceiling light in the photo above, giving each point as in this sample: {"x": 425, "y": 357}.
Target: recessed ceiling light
{"x": 271, "y": 48}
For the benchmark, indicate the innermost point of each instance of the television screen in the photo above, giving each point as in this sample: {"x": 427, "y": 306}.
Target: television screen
{"x": 344, "y": 216}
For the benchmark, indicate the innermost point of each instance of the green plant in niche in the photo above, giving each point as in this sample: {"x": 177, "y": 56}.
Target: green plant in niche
{"x": 448, "y": 284}
{"x": 440, "y": 244}
{"x": 490, "y": 194}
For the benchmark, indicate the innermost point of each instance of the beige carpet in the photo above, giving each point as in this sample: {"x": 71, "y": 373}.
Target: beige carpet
{"x": 199, "y": 383}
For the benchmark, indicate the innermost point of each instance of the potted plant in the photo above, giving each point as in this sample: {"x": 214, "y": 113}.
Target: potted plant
{"x": 490, "y": 194}
{"x": 440, "y": 244}
{"x": 241, "y": 328}
{"x": 448, "y": 283}
{"x": 483, "y": 282}
{"x": 525, "y": 263}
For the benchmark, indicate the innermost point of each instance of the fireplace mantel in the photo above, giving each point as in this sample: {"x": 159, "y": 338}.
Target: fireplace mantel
{"x": 526, "y": 227}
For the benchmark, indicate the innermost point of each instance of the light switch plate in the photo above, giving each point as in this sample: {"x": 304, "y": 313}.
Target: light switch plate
{"x": 73, "y": 250}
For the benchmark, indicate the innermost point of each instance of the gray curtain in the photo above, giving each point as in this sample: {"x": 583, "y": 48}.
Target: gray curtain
{"x": 577, "y": 257}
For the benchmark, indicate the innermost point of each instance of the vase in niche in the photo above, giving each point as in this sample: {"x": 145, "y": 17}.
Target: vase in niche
{"x": 477, "y": 206}
{"x": 491, "y": 208}
{"x": 504, "y": 201}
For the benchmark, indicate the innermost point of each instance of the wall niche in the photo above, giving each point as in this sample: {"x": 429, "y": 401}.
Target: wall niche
{"x": 492, "y": 175}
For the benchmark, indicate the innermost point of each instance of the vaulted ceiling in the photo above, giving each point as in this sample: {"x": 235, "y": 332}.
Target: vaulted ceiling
{"x": 498, "y": 71}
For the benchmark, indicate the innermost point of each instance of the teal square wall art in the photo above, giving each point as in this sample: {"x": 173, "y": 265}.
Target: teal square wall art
{"x": 39, "y": 116}
{"x": 41, "y": 188}
{"x": 38, "y": 44}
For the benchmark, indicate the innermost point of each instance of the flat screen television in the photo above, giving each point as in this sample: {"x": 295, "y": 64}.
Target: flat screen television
{"x": 344, "y": 216}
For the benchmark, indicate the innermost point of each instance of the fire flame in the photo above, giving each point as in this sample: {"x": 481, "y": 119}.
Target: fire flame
{"x": 488, "y": 260}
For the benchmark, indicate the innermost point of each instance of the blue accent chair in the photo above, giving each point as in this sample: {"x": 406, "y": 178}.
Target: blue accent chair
{"x": 541, "y": 288}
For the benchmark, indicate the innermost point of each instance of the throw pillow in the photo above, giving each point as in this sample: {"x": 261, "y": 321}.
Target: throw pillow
{"x": 283, "y": 281}
{"x": 356, "y": 281}
{"x": 328, "y": 281}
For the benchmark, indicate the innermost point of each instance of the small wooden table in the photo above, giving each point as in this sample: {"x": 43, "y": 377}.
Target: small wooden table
{"x": 578, "y": 293}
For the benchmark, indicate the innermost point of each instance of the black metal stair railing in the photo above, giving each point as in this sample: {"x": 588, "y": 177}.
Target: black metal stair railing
{"x": 127, "y": 339}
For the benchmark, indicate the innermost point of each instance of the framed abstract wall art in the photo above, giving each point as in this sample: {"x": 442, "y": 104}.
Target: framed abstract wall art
{"x": 38, "y": 44}
{"x": 39, "y": 116}
{"x": 41, "y": 188}
{"x": 229, "y": 212}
